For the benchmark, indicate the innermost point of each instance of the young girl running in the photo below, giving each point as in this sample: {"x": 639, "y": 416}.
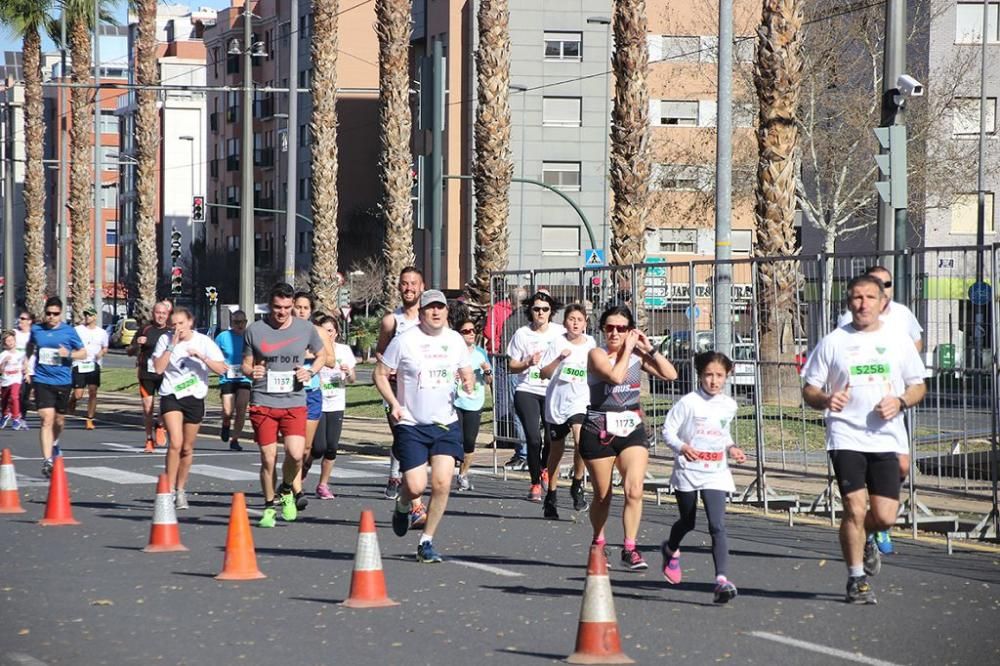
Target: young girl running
{"x": 12, "y": 373}
{"x": 697, "y": 429}
{"x": 331, "y": 422}
{"x": 566, "y": 400}
{"x": 470, "y": 407}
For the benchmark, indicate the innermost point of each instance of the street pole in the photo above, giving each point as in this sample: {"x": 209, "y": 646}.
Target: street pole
{"x": 979, "y": 311}
{"x": 98, "y": 211}
{"x": 293, "y": 144}
{"x": 722, "y": 315}
{"x": 8, "y": 215}
{"x": 193, "y": 247}
{"x": 892, "y": 222}
{"x": 606, "y": 22}
{"x": 436, "y": 166}
{"x": 247, "y": 299}
{"x": 62, "y": 250}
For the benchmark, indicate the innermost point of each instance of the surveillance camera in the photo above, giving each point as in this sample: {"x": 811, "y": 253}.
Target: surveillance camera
{"x": 909, "y": 86}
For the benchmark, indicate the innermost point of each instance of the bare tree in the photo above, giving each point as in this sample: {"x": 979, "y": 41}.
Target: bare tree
{"x": 367, "y": 282}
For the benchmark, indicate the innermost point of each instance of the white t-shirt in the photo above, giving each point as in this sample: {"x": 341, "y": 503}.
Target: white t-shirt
{"x": 897, "y": 315}
{"x": 94, "y": 340}
{"x": 525, "y": 343}
{"x": 332, "y": 380}
{"x": 568, "y": 392}
{"x": 21, "y": 340}
{"x": 425, "y": 368}
{"x": 186, "y": 376}
{"x": 702, "y": 421}
{"x": 13, "y": 371}
{"x": 874, "y": 364}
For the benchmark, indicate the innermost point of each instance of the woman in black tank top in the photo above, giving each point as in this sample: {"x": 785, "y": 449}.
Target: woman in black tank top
{"x": 613, "y": 432}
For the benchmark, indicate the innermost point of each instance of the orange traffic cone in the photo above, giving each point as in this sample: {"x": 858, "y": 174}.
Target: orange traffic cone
{"x": 368, "y": 581}
{"x": 58, "y": 511}
{"x": 241, "y": 560}
{"x": 597, "y": 639}
{"x": 164, "y": 537}
{"x": 10, "y": 501}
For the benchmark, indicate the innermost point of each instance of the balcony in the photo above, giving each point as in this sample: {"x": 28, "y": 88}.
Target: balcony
{"x": 233, "y": 163}
{"x": 264, "y": 108}
{"x": 232, "y": 113}
{"x": 233, "y": 64}
{"x": 263, "y": 157}
{"x": 263, "y": 202}
{"x": 232, "y": 213}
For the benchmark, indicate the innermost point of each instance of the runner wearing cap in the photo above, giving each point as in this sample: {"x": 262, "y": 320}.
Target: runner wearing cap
{"x": 425, "y": 361}
{"x": 87, "y": 371}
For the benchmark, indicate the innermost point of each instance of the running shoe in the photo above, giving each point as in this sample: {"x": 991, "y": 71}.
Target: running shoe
{"x": 545, "y": 478}
{"x": 872, "y": 558}
{"x": 289, "y": 512}
{"x": 234, "y": 445}
{"x": 20, "y": 424}
{"x": 515, "y": 462}
{"x": 576, "y": 491}
{"x": 427, "y": 554}
{"x": 6, "y": 422}
{"x": 884, "y": 542}
{"x": 161, "y": 435}
{"x": 549, "y": 509}
{"x": 269, "y": 518}
{"x": 535, "y": 493}
{"x": 56, "y": 451}
{"x": 47, "y": 466}
{"x": 89, "y": 425}
{"x": 724, "y": 592}
{"x": 418, "y": 517}
{"x": 301, "y": 501}
{"x": 180, "y": 500}
{"x": 392, "y": 487}
{"x": 859, "y": 591}
{"x": 400, "y": 521}
{"x": 671, "y": 565}
{"x": 632, "y": 559}
{"x": 323, "y": 492}
{"x": 149, "y": 446}
{"x": 224, "y": 432}
{"x": 462, "y": 483}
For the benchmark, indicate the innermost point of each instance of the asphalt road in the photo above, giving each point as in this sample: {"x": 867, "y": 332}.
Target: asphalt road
{"x": 509, "y": 591}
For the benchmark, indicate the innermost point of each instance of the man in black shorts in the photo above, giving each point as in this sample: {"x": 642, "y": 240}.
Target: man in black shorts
{"x": 864, "y": 375}
{"x": 149, "y": 381}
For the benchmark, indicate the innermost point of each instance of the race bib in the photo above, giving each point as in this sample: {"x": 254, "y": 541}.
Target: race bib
{"x": 436, "y": 378}
{"x": 573, "y": 374}
{"x": 187, "y": 385}
{"x": 535, "y": 375}
{"x": 333, "y": 393}
{"x": 84, "y": 367}
{"x": 234, "y": 372}
{"x": 710, "y": 442}
{"x": 622, "y": 424}
{"x": 49, "y": 356}
{"x": 869, "y": 373}
{"x": 280, "y": 381}
{"x": 707, "y": 460}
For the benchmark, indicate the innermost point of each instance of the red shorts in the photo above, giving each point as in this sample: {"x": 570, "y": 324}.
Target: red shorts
{"x": 267, "y": 422}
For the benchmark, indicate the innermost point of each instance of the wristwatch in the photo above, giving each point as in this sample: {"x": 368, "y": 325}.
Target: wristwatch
{"x": 902, "y": 404}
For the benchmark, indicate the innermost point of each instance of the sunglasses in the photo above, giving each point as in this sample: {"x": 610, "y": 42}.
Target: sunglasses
{"x": 887, "y": 284}
{"x": 467, "y": 331}
{"x": 25, "y": 318}
{"x": 538, "y": 309}
{"x": 616, "y": 328}
{"x": 50, "y": 313}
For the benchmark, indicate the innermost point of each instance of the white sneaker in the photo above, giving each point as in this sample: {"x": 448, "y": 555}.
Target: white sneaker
{"x": 180, "y": 500}
{"x": 464, "y": 483}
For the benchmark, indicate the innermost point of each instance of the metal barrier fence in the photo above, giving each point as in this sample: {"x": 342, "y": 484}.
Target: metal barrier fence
{"x": 779, "y": 309}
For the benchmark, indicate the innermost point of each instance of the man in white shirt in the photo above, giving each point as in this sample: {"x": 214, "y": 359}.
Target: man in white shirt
{"x": 87, "y": 371}
{"x": 864, "y": 375}
{"x": 425, "y": 361}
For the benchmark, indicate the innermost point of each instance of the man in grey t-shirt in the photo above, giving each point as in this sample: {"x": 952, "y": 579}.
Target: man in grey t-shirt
{"x": 274, "y": 351}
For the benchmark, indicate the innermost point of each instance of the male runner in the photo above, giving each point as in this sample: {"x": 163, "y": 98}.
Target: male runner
{"x": 274, "y": 357}
{"x": 54, "y": 344}
{"x": 864, "y": 375}
{"x": 425, "y": 361}
{"x": 234, "y": 388}
{"x": 142, "y": 347}
{"x": 87, "y": 371}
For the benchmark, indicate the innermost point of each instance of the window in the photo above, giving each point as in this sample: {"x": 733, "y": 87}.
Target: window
{"x": 560, "y": 241}
{"x": 708, "y": 48}
{"x": 109, "y": 270}
{"x": 111, "y": 232}
{"x": 674, "y": 112}
{"x": 683, "y": 177}
{"x": 109, "y": 195}
{"x": 566, "y": 46}
{"x": 969, "y": 23}
{"x": 678, "y": 240}
{"x": 305, "y": 77}
{"x": 305, "y": 135}
{"x": 562, "y": 111}
{"x": 964, "y": 214}
{"x": 744, "y": 49}
{"x": 109, "y": 122}
{"x": 562, "y": 175}
{"x": 680, "y": 49}
{"x": 109, "y": 163}
{"x": 966, "y": 115}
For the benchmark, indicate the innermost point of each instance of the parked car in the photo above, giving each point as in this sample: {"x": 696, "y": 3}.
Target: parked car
{"x": 124, "y": 331}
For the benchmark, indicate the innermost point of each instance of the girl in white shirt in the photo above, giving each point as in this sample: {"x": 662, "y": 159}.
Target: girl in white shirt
{"x": 697, "y": 429}
{"x": 332, "y": 383}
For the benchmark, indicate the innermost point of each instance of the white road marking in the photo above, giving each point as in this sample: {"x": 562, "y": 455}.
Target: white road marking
{"x": 822, "y": 649}
{"x": 224, "y": 473}
{"x": 112, "y": 475}
{"x": 485, "y": 567}
{"x": 121, "y": 447}
{"x": 344, "y": 473}
{"x": 25, "y": 481}
{"x": 24, "y": 659}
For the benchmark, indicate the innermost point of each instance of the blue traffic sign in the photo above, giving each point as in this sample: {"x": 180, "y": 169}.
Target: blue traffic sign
{"x": 593, "y": 258}
{"x": 692, "y": 312}
{"x": 980, "y": 293}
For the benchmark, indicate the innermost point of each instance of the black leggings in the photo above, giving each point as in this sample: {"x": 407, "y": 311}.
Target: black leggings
{"x": 715, "y": 508}
{"x": 327, "y": 436}
{"x": 529, "y": 408}
{"x": 469, "y": 421}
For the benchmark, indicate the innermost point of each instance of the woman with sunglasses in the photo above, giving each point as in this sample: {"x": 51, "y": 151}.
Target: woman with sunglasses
{"x": 566, "y": 400}
{"x": 469, "y": 407}
{"x": 525, "y": 355}
{"x": 613, "y": 431}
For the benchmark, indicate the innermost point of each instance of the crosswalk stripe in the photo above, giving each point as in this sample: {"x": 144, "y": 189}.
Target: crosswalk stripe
{"x": 120, "y": 447}
{"x": 112, "y": 475}
{"x": 224, "y": 473}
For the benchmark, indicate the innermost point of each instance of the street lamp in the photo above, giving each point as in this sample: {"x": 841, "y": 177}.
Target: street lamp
{"x": 518, "y": 88}
{"x": 606, "y": 22}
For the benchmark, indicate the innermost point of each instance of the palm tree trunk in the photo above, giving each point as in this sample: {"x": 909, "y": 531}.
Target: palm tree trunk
{"x": 81, "y": 169}
{"x": 778, "y": 78}
{"x": 323, "y": 275}
{"x": 493, "y": 168}
{"x": 395, "y": 127}
{"x": 147, "y": 139}
{"x": 34, "y": 177}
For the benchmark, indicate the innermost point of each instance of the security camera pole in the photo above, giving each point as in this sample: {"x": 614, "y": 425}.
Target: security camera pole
{"x": 892, "y": 215}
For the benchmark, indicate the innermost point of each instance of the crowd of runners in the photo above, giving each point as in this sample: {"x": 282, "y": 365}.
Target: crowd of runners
{"x": 287, "y": 374}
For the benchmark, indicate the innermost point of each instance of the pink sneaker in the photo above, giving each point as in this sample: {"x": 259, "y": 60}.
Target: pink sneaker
{"x": 323, "y": 492}
{"x": 671, "y": 565}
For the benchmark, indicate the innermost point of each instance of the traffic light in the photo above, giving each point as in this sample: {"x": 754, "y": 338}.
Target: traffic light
{"x": 176, "y": 280}
{"x": 594, "y": 291}
{"x": 893, "y": 165}
{"x": 175, "y": 246}
{"x": 198, "y": 209}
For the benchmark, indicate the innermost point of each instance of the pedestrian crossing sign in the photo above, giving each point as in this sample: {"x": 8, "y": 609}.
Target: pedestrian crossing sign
{"x": 593, "y": 258}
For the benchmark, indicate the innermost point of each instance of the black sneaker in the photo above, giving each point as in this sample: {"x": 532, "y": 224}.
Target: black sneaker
{"x": 724, "y": 592}
{"x": 47, "y": 466}
{"x": 301, "y": 501}
{"x": 872, "y": 559}
{"x": 859, "y": 591}
{"x": 400, "y": 521}
{"x": 516, "y": 463}
{"x": 576, "y": 491}
{"x": 549, "y": 509}
{"x": 633, "y": 560}
{"x": 224, "y": 434}
{"x": 234, "y": 445}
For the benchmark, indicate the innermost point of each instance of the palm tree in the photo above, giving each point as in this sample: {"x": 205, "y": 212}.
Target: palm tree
{"x": 323, "y": 274}
{"x": 147, "y": 140}
{"x": 26, "y": 19}
{"x": 395, "y": 122}
{"x": 778, "y": 78}
{"x": 493, "y": 167}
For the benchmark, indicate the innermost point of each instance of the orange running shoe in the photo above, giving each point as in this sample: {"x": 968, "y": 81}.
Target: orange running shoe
{"x": 161, "y": 435}
{"x": 149, "y": 446}
{"x": 90, "y": 424}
